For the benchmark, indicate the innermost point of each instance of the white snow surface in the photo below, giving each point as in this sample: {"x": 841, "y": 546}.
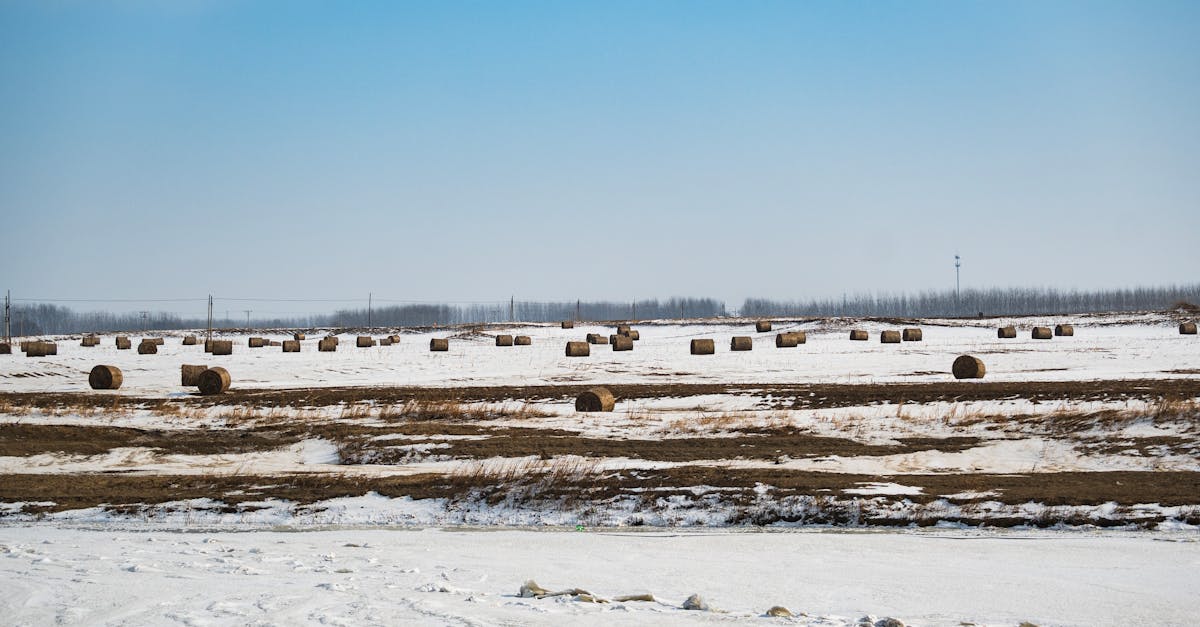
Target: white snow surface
{"x": 142, "y": 576}
{"x": 1113, "y": 347}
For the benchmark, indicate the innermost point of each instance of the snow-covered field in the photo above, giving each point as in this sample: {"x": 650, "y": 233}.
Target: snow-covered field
{"x": 348, "y": 576}
{"x": 381, "y": 485}
{"x": 1142, "y": 347}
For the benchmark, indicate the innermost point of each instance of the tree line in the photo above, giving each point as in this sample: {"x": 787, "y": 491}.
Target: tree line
{"x": 973, "y": 302}
{"x": 51, "y": 319}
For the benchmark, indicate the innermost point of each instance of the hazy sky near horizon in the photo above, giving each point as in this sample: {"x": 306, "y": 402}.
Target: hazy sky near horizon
{"x": 470, "y": 151}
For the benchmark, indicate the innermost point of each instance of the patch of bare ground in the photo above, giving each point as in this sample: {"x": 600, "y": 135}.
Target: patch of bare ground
{"x": 818, "y": 498}
{"x": 782, "y": 396}
{"x": 358, "y": 442}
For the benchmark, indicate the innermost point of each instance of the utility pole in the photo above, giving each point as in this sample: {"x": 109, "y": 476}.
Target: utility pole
{"x": 957, "y": 303}
{"x": 512, "y": 308}
{"x": 7, "y": 330}
{"x": 209, "y": 335}
{"x": 370, "y": 297}
{"x": 577, "y": 310}
{"x": 247, "y": 317}
{"x": 633, "y": 310}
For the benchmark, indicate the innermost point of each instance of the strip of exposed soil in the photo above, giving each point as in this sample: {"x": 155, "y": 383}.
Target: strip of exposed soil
{"x": 782, "y": 396}
{"x": 122, "y": 491}
{"x": 357, "y": 443}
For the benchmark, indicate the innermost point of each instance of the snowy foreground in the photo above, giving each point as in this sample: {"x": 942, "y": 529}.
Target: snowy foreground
{"x": 55, "y": 575}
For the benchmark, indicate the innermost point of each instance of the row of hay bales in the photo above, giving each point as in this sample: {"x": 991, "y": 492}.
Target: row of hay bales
{"x": 890, "y": 336}
{"x": 601, "y": 399}
{"x": 620, "y": 341}
{"x": 213, "y": 380}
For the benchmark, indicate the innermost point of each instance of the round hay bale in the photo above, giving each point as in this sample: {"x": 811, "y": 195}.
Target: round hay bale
{"x": 298, "y": 337}
{"x": 291, "y": 346}
{"x": 333, "y": 339}
{"x": 124, "y": 344}
{"x": 968, "y": 367}
{"x": 89, "y": 341}
{"x": 889, "y": 337}
{"x": 385, "y": 341}
{"x": 622, "y": 343}
{"x": 105, "y": 378}
{"x": 568, "y": 324}
{"x": 213, "y": 381}
{"x": 779, "y": 611}
{"x": 704, "y": 346}
{"x": 50, "y": 347}
{"x": 189, "y": 340}
{"x": 504, "y": 340}
{"x": 578, "y": 349}
{"x": 911, "y": 335}
{"x": 1064, "y": 330}
{"x": 117, "y": 340}
{"x": 596, "y": 338}
{"x": 5, "y": 348}
{"x": 222, "y": 347}
{"x": 763, "y": 326}
{"x": 25, "y": 346}
{"x": 158, "y": 341}
{"x": 439, "y": 344}
{"x": 364, "y": 341}
{"x": 623, "y": 329}
{"x": 786, "y": 340}
{"x": 34, "y": 349}
{"x": 1187, "y": 328}
{"x": 1041, "y": 333}
{"x": 327, "y": 345}
{"x": 189, "y": 375}
{"x": 741, "y": 343}
{"x": 1006, "y": 333}
{"x": 859, "y": 335}
{"x": 523, "y": 340}
{"x": 274, "y": 343}
{"x": 595, "y": 399}
{"x": 147, "y": 347}
{"x": 634, "y": 335}
{"x": 256, "y": 342}
{"x": 395, "y": 339}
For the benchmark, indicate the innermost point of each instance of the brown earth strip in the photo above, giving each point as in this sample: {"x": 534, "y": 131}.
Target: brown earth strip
{"x": 782, "y": 396}
{"x": 123, "y": 492}
{"x": 357, "y": 443}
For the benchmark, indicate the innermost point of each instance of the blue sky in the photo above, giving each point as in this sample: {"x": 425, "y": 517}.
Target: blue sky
{"x": 609, "y": 150}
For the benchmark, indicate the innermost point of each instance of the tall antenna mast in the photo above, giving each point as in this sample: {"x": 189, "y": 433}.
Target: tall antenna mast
{"x": 7, "y": 330}
{"x": 957, "y": 265}
{"x": 370, "y": 297}
{"x": 209, "y": 335}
